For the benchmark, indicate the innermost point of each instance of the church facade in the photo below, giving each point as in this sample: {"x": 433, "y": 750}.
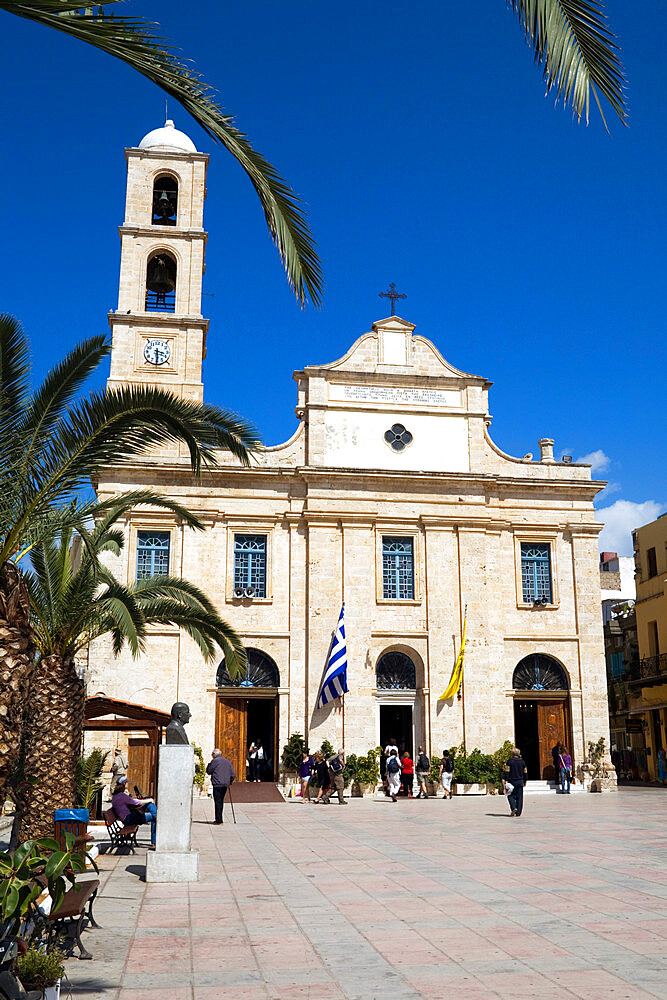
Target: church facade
{"x": 391, "y": 498}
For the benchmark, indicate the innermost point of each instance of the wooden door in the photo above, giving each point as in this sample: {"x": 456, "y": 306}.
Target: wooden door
{"x": 551, "y": 730}
{"x": 141, "y": 766}
{"x": 230, "y": 732}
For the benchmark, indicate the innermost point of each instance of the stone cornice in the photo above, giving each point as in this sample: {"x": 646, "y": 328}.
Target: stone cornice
{"x": 135, "y": 319}
{"x": 164, "y": 154}
{"x": 189, "y": 233}
{"x": 481, "y": 482}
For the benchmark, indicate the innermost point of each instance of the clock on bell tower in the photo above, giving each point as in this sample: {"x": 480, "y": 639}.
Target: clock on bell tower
{"x": 158, "y": 331}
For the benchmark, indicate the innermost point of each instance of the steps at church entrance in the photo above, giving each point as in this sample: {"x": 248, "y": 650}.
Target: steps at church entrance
{"x": 549, "y": 788}
{"x": 253, "y": 791}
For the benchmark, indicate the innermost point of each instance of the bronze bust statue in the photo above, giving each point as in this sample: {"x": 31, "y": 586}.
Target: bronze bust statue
{"x": 175, "y": 732}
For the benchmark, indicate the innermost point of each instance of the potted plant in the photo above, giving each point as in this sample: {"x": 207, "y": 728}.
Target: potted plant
{"x": 599, "y": 767}
{"x": 200, "y": 770}
{"x": 350, "y": 770}
{"x": 471, "y": 772}
{"x": 291, "y": 758}
{"x": 41, "y": 970}
{"x": 368, "y": 773}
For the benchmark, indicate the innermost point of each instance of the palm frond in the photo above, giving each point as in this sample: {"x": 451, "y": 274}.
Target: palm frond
{"x": 57, "y": 391}
{"x": 572, "y": 41}
{"x": 14, "y": 378}
{"x": 206, "y": 628}
{"x": 132, "y": 41}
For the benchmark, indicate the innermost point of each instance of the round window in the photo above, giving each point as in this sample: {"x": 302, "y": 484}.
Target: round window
{"x": 397, "y": 437}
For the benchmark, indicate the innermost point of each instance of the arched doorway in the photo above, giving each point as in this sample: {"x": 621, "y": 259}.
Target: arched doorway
{"x": 396, "y": 684}
{"x": 247, "y": 711}
{"x": 541, "y": 712}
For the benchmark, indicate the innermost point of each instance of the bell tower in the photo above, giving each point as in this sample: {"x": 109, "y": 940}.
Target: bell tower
{"x": 158, "y": 331}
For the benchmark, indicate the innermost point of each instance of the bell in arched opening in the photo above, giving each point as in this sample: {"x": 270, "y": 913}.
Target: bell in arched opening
{"x": 161, "y": 283}
{"x": 165, "y": 201}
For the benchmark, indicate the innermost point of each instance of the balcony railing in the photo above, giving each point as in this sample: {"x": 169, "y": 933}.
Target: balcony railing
{"x": 651, "y": 668}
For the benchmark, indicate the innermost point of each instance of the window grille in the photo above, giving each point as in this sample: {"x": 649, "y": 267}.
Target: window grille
{"x": 536, "y": 572}
{"x": 259, "y": 671}
{"x": 539, "y": 672}
{"x": 398, "y": 569}
{"x": 152, "y": 554}
{"x": 250, "y": 563}
{"x": 395, "y": 672}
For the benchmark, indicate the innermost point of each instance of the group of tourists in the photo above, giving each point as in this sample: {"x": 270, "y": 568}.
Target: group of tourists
{"x": 329, "y": 774}
{"x": 398, "y": 771}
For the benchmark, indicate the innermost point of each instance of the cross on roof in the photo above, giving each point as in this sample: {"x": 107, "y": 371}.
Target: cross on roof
{"x": 393, "y": 295}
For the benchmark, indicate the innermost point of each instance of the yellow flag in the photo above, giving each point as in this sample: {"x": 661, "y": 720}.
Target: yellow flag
{"x": 455, "y": 679}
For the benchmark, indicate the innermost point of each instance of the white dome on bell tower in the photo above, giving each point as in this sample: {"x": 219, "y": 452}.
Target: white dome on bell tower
{"x": 168, "y": 139}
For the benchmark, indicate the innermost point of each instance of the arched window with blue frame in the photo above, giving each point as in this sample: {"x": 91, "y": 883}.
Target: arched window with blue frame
{"x": 536, "y": 572}
{"x": 152, "y": 554}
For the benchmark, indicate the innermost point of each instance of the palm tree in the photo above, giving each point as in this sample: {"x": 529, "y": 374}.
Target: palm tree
{"x": 133, "y": 41}
{"x": 76, "y": 599}
{"x": 51, "y": 449}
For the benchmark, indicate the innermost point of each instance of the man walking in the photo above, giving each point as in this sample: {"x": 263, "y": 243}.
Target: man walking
{"x": 336, "y": 767}
{"x": 516, "y": 774}
{"x": 222, "y": 775}
{"x": 423, "y": 773}
{"x": 393, "y": 774}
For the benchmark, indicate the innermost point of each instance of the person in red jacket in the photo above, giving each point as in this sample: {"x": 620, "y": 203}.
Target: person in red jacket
{"x": 407, "y": 774}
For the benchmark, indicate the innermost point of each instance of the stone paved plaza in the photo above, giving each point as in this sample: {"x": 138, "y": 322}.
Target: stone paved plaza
{"x": 384, "y": 901}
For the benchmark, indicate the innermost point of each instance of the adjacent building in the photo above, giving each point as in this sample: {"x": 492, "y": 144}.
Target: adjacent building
{"x": 390, "y": 497}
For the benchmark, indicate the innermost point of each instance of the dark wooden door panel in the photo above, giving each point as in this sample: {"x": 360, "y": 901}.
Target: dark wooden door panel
{"x": 551, "y": 728}
{"x": 230, "y": 732}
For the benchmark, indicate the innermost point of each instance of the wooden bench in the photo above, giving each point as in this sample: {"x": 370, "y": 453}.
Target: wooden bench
{"x": 119, "y": 835}
{"x": 76, "y": 906}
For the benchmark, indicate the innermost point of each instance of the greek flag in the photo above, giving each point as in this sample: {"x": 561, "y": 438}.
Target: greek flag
{"x": 335, "y": 678}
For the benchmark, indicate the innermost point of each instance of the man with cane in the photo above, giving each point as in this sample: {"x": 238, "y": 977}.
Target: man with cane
{"x": 222, "y": 776}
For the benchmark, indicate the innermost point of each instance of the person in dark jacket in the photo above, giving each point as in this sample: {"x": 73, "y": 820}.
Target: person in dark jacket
{"x": 222, "y": 776}
{"x": 516, "y": 773}
{"x": 322, "y": 771}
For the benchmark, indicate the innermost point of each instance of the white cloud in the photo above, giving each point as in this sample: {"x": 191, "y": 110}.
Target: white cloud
{"x": 619, "y": 520}
{"x": 597, "y": 460}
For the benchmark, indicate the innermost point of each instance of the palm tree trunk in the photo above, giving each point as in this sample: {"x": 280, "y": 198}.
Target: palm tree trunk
{"x": 17, "y": 656}
{"x": 54, "y": 732}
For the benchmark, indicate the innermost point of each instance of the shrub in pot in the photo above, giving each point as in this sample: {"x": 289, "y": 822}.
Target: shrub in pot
{"x": 39, "y": 970}
{"x": 367, "y": 771}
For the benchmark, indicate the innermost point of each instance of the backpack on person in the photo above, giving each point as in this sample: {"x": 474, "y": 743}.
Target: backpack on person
{"x": 423, "y": 763}
{"x": 393, "y": 766}
{"x": 336, "y": 765}
{"x": 448, "y": 765}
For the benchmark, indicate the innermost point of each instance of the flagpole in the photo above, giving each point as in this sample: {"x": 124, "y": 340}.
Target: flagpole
{"x": 463, "y": 688}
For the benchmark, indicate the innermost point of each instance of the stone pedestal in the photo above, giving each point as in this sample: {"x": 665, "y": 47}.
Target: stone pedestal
{"x": 173, "y": 860}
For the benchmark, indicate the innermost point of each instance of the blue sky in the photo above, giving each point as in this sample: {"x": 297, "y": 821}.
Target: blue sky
{"x": 531, "y": 248}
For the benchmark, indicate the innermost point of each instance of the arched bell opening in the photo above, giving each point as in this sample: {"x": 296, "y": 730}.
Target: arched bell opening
{"x": 542, "y": 714}
{"x": 165, "y": 201}
{"x": 247, "y": 712}
{"x": 161, "y": 283}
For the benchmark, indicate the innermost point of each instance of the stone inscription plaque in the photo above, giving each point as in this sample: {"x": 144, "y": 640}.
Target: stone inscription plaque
{"x": 395, "y": 394}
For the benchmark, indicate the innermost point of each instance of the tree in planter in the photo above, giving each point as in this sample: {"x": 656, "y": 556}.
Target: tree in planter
{"x": 293, "y": 752}
{"x": 200, "y": 767}
{"x": 75, "y": 600}
{"x": 368, "y": 768}
{"x": 51, "y": 448}
{"x": 350, "y": 769}
{"x": 88, "y": 774}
